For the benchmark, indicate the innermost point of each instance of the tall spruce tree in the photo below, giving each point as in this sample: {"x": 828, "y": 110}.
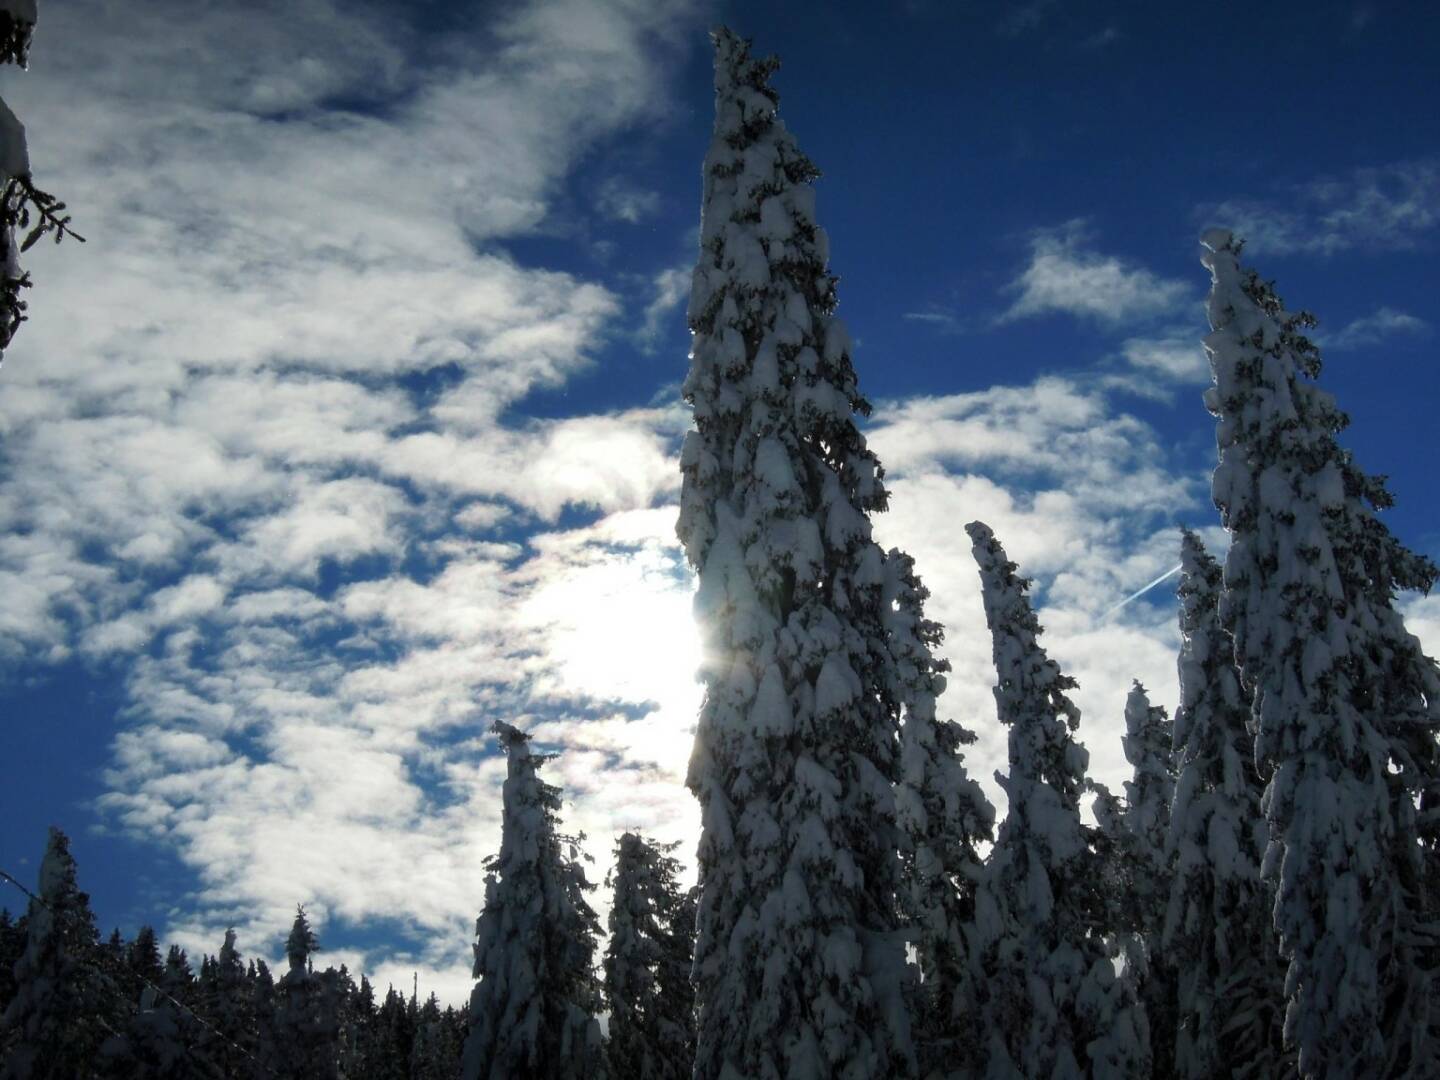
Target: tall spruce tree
{"x": 1345, "y": 704}
{"x": 943, "y": 816}
{"x": 647, "y": 965}
{"x": 65, "y": 1006}
{"x": 1217, "y": 932}
{"x": 800, "y": 966}
{"x": 1052, "y": 1003}
{"x": 532, "y": 1012}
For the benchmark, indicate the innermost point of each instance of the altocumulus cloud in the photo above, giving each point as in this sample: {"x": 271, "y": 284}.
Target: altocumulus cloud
{"x": 270, "y": 280}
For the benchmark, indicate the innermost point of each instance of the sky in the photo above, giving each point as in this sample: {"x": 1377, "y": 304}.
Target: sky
{"x": 354, "y": 425}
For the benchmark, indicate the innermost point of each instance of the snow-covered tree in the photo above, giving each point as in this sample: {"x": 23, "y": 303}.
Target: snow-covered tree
{"x": 64, "y": 1006}
{"x": 225, "y": 998}
{"x": 436, "y": 1053}
{"x": 532, "y": 1012}
{"x": 800, "y": 968}
{"x": 1217, "y": 932}
{"x": 23, "y": 206}
{"x": 1052, "y": 1002}
{"x": 943, "y": 816}
{"x": 306, "y": 1035}
{"x": 647, "y": 965}
{"x": 1345, "y": 704}
{"x": 1149, "y": 748}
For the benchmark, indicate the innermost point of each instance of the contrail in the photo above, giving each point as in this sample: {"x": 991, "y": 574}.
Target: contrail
{"x": 1141, "y": 592}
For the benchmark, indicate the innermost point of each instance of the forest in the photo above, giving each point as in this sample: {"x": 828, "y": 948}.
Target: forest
{"x": 1261, "y": 900}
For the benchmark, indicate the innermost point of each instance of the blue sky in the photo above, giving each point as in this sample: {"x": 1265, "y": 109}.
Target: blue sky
{"x": 354, "y": 424}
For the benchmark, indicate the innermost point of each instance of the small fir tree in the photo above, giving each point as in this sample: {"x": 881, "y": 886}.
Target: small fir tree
{"x": 226, "y": 999}
{"x": 65, "y": 1005}
{"x": 1052, "y": 1003}
{"x": 1217, "y": 934}
{"x": 1345, "y": 704}
{"x": 532, "y": 1012}
{"x": 306, "y": 1028}
{"x": 647, "y": 964}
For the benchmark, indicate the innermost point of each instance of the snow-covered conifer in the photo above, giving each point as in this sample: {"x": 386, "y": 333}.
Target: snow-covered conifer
{"x": 943, "y": 815}
{"x": 23, "y": 206}
{"x": 1149, "y": 748}
{"x": 800, "y": 966}
{"x": 1345, "y": 704}
{"x": 532, "y": 1012}
{"x": 436, "y": 1054}
{"x": 226, "y": 1000}
{"x": 647, "y": 965}
{"x": 1217, "y": 933}
{"x": 64, "y": 1006}
{"x": 306, "y": 1037}
{"x": 1052, "y": 1002}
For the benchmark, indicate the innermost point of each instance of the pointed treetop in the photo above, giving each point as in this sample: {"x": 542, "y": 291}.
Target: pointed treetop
{"x": 301, "y": 942}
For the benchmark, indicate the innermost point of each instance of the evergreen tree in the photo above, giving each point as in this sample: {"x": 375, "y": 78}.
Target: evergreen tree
{"x": 1149, "y": 748}
{"x": 1217, "y": 931}
{"x": 142, "y": 962}
{"x": 12, "y": 946}
{"x": 532, "y": 1012}
{"x": 943, "y": 816}
{"x": 23, "y": 206}
{"x": 226, "y": 998}
{"x": 800, "y": 966}
{"x": 64, "y": 1005}
{"x": 306, "y": 1032}
{"x": 1345, "y": 705}
{"x": 436, "y": 1055}
{"x": 647, "y": 965}
{"x": 1052, "y": 1004}
{"x": 392, "y": 1042}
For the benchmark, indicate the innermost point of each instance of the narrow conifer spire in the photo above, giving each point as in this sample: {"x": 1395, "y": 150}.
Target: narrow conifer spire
{"x": 65, "y": 1005}
{"x": 1345, "y": 704}
{"x": 1217, "y": 933}
{"x": 800, "y": 960}
{"x": 1145, "y": 826}
{"x": 532, "y": 1012}
{"x": 1052, "y": 1003}
{"x": 647, "y": 965}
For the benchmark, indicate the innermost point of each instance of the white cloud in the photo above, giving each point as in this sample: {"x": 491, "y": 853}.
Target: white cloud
{"x": 1390, "y": 207}
{"x": 1176, "y": 356}
{"x": 622, "y": 201}
{"x": 1064, "y": 277}
{"x": 1384, "y": 322}
{"x": 671, "y": 288}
